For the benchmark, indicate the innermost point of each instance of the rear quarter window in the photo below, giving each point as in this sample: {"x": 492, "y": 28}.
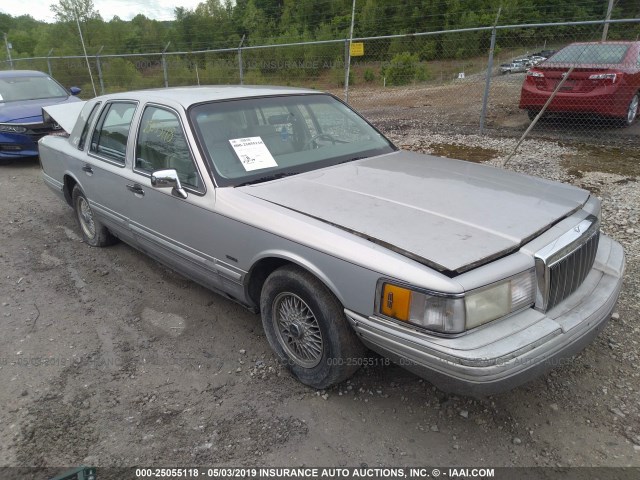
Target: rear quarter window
{"x": 111, "y": 135}
{"x": 87, "y": 125}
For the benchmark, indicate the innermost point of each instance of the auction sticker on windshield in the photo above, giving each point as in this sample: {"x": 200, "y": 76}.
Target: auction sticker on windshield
{"x": 253, "y": 153}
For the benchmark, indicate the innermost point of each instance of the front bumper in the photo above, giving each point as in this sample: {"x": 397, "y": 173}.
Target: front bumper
{"x": 509, "y": 352}
{"x": 17, "y": 145}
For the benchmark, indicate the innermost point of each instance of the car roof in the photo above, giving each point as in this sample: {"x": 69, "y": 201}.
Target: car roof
{"x": 187, "y": 96}
{"x": 21, "y": 73}
{"x": 608, "y": 42}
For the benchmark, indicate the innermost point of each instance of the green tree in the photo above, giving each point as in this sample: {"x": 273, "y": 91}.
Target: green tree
{"x": 68, "y": 10}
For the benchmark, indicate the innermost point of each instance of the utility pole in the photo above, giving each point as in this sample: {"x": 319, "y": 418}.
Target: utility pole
{"x": 6, "y": 44}
{"x": 95, "y": 93}
{"x": 605, "y": 30}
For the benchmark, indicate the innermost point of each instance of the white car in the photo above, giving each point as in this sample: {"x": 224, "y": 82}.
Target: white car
{"x": 535, "y": 60}
{"x": 514, "y": 67}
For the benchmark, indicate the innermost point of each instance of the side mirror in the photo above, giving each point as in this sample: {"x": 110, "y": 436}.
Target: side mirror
{"x": 75, "y": 91}
{"x": 168, "y": 179}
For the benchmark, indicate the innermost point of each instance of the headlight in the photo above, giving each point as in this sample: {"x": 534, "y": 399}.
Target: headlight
{"x": 12, "y": 128}
{"x": 454, "y": 314}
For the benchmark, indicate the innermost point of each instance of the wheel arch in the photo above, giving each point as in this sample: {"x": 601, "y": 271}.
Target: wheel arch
{"x": 270, "y": 261}
{"x": 68, "y": 183}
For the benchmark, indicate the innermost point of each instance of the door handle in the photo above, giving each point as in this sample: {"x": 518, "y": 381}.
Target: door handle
{"x": 88, "y": 170}
{"x": 135, "y": 188}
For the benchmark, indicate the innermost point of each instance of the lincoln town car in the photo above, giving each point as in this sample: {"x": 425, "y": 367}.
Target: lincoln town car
{"x": 289, "y": 202}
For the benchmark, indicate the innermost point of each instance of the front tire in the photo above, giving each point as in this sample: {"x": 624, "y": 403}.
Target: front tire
{"x": 93, "y": 231}
{"x": 306, "y": 326}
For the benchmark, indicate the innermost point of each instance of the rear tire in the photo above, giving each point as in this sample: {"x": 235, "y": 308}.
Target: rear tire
{"x": 632, "y": 111}
{"x": 532, "y": 114}
{"x": 306, "y": 326}
{"x": 93, "y": 231}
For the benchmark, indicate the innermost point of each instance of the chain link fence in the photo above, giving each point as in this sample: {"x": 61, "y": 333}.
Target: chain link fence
{"x": 498, "y": 80}
{"x": 490, "y": 80}
{"x": 583, "y": 88}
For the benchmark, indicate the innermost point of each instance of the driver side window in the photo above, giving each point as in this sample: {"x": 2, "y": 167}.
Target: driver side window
{"x": 161, "y": 145}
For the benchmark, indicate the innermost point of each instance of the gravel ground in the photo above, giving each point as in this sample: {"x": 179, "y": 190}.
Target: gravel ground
{"x": 108, "y": 358}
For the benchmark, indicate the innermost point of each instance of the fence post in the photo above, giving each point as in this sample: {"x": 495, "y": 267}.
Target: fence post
{"x": 49, "y": 62}
{"x": 487, "y": 85}
{"x": 99, "y": 66}
{"x": 164, "y": 65}
{"x": 348, "y": 53}
{"x": 605, "y": 29}
{"x": 347, "y": 61}
{"x": 9, "y": 46}
{"x": 240, "y": 61}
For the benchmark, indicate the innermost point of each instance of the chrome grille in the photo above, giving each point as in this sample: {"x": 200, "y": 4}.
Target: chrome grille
{"x": 562, "y": 266}
{"x": 568, "y": 273}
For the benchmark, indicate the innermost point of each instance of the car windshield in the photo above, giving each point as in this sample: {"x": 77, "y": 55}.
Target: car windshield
{"x": 13, "y": 89}
{"x": 592, "y": 54}
{"x": 260, "y": 139}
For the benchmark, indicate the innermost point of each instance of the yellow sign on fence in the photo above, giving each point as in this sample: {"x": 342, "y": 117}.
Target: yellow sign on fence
{"x": 357, "y": 49}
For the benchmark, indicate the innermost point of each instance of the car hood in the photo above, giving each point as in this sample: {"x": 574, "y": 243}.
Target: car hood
{"x": 449, "y": 214}
{"x": 29, "y": 111}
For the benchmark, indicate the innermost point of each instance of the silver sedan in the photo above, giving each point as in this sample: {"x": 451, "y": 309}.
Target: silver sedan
{"x": 290, "y": 203}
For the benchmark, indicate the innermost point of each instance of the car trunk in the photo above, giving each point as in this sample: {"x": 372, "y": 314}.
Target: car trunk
{"x": 578, "y": 81}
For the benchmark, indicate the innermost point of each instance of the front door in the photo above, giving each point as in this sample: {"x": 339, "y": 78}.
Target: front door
{"x": 178, "y": 231}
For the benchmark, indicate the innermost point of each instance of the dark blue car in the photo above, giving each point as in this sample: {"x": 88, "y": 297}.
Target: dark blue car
{"x": 23, "y": 93}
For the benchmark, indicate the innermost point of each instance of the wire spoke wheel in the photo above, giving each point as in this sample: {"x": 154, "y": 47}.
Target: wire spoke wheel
{"x": 85, "y": 215}
{"x": 297, "y": 329}
{"x": 306, "y": 326}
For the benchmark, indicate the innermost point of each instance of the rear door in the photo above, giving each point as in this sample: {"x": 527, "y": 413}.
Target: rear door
{"x": 104, "y": 172}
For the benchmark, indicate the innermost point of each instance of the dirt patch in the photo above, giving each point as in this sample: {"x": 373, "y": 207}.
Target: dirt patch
{"x": 464, "y": 152}
{"x": 623, "y": 161}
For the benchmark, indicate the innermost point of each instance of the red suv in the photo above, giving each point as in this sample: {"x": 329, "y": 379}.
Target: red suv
{"x": 605, "y": 81}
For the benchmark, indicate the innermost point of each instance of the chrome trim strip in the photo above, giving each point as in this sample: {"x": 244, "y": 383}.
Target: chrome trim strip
{"x": 108, "y": 213}
{"x": 51, "y": 181}
{"x": 196, "y": 257}
{"x": 22, "y": 124}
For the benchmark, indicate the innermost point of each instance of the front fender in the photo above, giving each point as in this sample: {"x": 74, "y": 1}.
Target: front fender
{"x": 302, "y": 262}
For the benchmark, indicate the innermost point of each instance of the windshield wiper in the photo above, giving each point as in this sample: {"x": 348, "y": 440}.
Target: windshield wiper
{"x": 267, "y": 178}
